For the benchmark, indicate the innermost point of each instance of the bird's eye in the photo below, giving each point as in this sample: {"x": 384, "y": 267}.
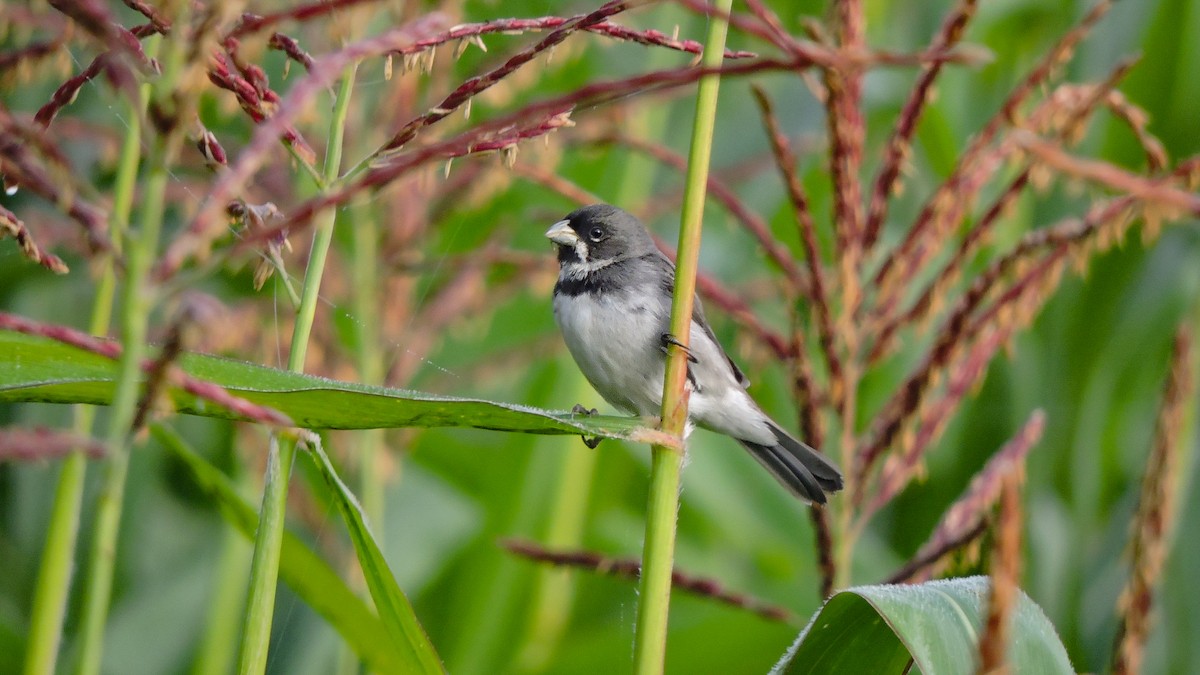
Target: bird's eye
{"x": 596, "y": 234}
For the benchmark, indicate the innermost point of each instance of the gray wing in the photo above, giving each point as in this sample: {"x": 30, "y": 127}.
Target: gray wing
{"x": 667, "y": 279}
{"x": 698, "y": 317}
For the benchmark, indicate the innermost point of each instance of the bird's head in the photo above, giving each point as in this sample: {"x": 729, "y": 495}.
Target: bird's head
{"x": 596, "y": 236}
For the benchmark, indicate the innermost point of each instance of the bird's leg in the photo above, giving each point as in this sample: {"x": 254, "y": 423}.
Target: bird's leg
{"x": 667, "y": 340}
{"x": 590, "y": 441}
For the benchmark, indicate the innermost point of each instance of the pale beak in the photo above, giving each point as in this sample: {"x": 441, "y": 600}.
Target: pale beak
{"x": 562, "y": 234}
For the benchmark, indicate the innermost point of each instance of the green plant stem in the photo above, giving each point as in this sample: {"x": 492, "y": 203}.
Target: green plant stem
{"x": 218, "y": 648}
{"x": 658, "y": 553}
{"x": 264, "y": 569}
{"x": 365, "y": 276}
{"x": 54, "y": 577}
{"x": 365, "y": 271}
{"x": 135, "y": 311}
{"x": 137, "y": 301}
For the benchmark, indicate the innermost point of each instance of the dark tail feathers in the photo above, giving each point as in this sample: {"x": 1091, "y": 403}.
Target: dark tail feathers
{"x": 800, "y": 468}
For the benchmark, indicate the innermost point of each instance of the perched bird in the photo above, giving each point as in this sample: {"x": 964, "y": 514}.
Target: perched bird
{"x": 613, "y": 305}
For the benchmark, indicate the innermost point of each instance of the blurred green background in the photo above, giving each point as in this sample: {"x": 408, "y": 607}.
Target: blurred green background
{"x": 1095, "y": 361}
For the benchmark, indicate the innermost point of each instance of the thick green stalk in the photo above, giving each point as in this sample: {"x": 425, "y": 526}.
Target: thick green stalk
{"x": 137, "y": 301}
{"x": 54, "y": 578}
{"x": 658, "y": 551}
{"x": 264, "y": 570}
{"x": 135, "y": 312}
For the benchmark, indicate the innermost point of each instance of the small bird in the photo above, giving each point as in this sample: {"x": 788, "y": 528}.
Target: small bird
{"x": 612, "y": 303}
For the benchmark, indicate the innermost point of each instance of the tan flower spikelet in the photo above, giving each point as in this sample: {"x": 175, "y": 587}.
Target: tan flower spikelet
{"x": 1154, "y": 522}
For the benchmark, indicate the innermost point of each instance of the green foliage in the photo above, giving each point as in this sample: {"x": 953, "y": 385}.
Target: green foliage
{"x": 300, "y": 567}
{"x": 43, "y": 370}
{"x": 935, "y": 626}
{"x": 461, "y": 312}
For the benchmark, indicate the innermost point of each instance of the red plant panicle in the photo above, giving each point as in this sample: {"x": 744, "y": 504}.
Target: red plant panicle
{"x": 95, "y": 19}
{"x": 945, "y": 208}
{"x": 723, "y": 193}
{"x": 1063, "y": 113}
{"x": 916, "y": 569}
{"x": 847, "y": 131}
{"x": 1047, "y": 250}
{"x": 503, "y": 133}
{"x": 1138, "y": 122}
{"x": 630, "y": 568}
{"x": 46, "y": 173}
{"x": 291, "y": 47}
{"x": 1177, "y": 202}
{"x": 902, "y": 467}
{"x": 900, "y": 141}
{"x": 32, "y": 52}
{"x": 206, "y": 225}
{"x": 257, "y": 99}
{"x": 107, "y": 63}
{"x": 819, "y": 293}
{"x": 156, "y": 19}
{"x": 476, "y": 85}
{"x": 210, "y": 148}
{"x": 1155, "y": 519}
{"x": 253, "y": 23}
{"x": 12, "y": 226}
{"x": 1005, "y": 579}
{"x": 770, "y": 20}
{"x": 970, "y": 510}
{"x": 41, "y": 444}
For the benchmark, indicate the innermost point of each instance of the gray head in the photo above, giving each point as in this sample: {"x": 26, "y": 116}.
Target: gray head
{"x": 599, "y": 234}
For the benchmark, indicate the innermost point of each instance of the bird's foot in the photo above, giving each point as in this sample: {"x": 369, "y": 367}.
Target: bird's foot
{"x": 668, "y": 339}
{"x": 590, "y": 441}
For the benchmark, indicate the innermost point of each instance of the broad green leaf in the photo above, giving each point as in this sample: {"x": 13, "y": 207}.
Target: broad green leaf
{"x": 300, "y": 568}
{"x": 879, "y": 629}
{"x": 394, "y": 609}
{"x": 36, "y": 369}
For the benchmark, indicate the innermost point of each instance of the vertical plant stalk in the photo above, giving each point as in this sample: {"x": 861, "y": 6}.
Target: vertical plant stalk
{"x": 137, "y": 300}
{"x": 218, "y": 646}
{"x": 1157, "y": 511}
{"x": 264, "y": 569}
{"x": 846, "y": 137}
{"x": 369, "y": 442}
{"x": 367, "y": 307}
{"x": 54, "y": 577}
{"x": 658, "y": 553}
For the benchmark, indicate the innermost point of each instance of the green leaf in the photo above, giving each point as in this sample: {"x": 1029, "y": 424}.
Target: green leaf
{"x": 37, "y": 369}
{"x": 879, "y": 629}
{"x": 394, "y": 609}
{"x": 300, "y": 568}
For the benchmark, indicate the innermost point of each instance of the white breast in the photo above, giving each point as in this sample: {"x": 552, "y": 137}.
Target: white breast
{"x": 617, "y": 344}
